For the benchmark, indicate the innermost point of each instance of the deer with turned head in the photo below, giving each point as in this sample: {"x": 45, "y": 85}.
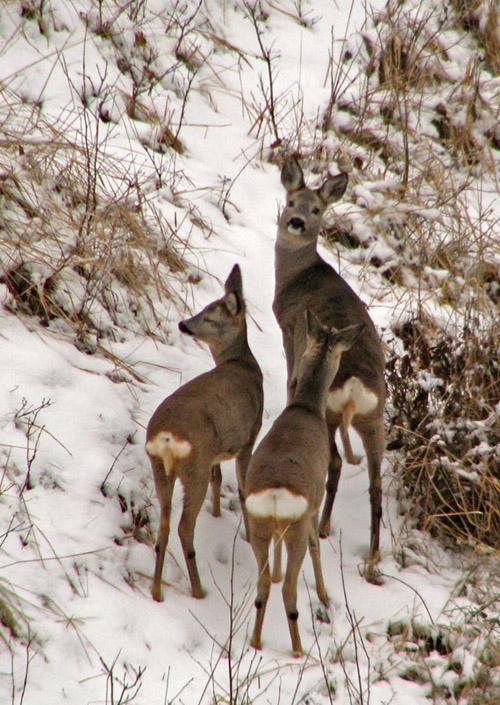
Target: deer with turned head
{"x": 305, "y": 281}
{"x": 214, "y": 417}
{"x": 285, "y": 482}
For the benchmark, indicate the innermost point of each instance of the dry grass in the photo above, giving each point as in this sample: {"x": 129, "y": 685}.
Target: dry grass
{"x": 445, "y": 425}
{"x": 80, "y": 243}
{"x": 480, "y": 17}
{"x": 83, "y": 247}
{"x": 446, "y": 385}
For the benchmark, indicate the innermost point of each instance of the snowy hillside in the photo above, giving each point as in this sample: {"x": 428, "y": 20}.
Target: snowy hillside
{"x": 140, "y": 146}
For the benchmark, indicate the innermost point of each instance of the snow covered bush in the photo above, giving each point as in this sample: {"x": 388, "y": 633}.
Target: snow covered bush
{"x": 445, "y": 424}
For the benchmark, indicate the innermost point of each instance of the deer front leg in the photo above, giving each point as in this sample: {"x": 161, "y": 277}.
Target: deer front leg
{"x": 332, "y": 484}
{"x": 215, "y": 484}
{"x": 242, "y": 460}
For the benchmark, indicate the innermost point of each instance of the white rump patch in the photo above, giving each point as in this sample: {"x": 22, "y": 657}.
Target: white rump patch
{"x": 278, "y": 503}
{"x": 353, "y": 390}
{"x": 166, "y": 440}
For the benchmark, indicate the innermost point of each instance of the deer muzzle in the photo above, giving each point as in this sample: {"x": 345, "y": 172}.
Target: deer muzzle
{"x": 296, "y": 225}
{"x": 184, "y": 329}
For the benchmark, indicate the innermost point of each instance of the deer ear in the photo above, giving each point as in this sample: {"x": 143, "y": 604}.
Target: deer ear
{"x": 313, "y": 325}
{"x": 345, "y": 338}
{"x": 234, "y": 281}
{"x": 292, "y": 176}
{"x": 234, "y": 291}
{"x": 333, "y": 188}
{"x": 233, "y": 303}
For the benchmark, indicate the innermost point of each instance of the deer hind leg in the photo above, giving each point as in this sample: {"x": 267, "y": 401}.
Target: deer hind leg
{"x": 278, "y": 544}
{"x": 332, "y": 484}
{"x": 373, "y": 438}
{"x": 195, "y": 489}
{"x": 296, "y": 540}
{"x": 347, "y": 415}
{"x": 215, "y": 484}
{"x": 260, "y": 538}
{"x": 164, "y": 483}
{"x": 314, "y": 551}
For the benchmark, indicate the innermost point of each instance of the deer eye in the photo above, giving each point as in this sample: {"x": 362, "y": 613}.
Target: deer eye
{"x": 316, "y": 211}
{"x": 291, "y": 204}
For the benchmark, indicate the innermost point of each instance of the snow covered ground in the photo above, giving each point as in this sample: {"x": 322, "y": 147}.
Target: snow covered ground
{"x": 77, "y": 506}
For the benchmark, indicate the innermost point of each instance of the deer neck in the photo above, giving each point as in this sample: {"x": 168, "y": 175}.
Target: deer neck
{"x": 238, "y": 349}
{"x": 313, "y": 385}
{"x": 291, "y": 259}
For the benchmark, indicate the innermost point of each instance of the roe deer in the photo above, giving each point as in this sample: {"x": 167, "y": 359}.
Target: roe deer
{"x": 285, "y": 481}
{"x": 214, "y": 417}
{"x": 305, "y": 280}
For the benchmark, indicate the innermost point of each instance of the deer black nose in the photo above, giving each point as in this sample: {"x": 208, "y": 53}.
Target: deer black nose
{"x": 297, "y": 224}
{"x": 184, "y": 329}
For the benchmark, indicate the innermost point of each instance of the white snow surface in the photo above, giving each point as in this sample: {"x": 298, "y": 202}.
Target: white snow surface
{"x": 66, "y": 550}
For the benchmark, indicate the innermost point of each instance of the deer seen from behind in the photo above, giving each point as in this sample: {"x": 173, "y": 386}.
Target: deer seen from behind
{"x": 285, "y": 481}
{"x": 214, "y": 417}
{"x": 303, "y": 280}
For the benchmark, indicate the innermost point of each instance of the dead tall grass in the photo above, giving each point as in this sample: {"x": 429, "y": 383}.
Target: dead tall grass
{"x": 81, "y": 247}
{"x": 480, "y": 17}
{"x": 445, "y": 423}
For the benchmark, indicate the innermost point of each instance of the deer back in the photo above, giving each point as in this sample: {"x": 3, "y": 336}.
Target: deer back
{"x": 294, "y": 454}
{"x": 218, "y": 412}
